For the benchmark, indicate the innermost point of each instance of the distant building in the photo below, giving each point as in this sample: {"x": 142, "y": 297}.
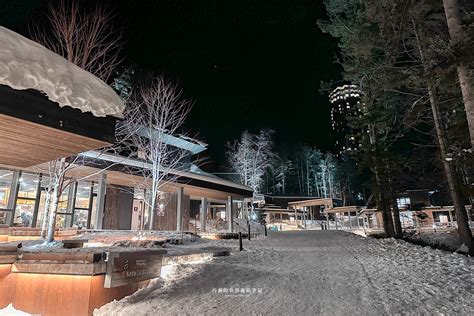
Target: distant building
{"x": 345, "y": 102}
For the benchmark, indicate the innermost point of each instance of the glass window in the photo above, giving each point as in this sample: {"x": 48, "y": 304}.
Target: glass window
{"x": 5, "y": 185}
{"x": 63, "y": 199}
{"x": 42, "y": 202}
{"x": 6, "y": 177}
{"x": 82, "y": 204}
{"x": 83, "y": 195}
{"x": 403, "y": 201}
{"x": 80, "y": 218}
{"x": 63, "y": 220}
{"x": 28, "y": 185}
{"x": 26, "y": 198}
{"x": 62, "y": 202}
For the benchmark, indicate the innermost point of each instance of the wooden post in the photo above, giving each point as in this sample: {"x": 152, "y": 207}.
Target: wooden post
{"x": 37, "y": 204}
{"x": 265, "y": 226}
{"x": 240, "y": 242}
{"x": 203, "y": 215}
{"x": 304, "y": 216}
{"x": 14, "y": 187}
{"x": 179, "y": 209}
{"x": 350, "y": 224}
{"x": 229, "y": 214}
{"x": 248, "y": 226}
{"x": 99, "y": 215}
{"x": 327, "y": 221}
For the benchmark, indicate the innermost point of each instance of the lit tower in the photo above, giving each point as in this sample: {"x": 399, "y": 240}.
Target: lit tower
{"x": 345, "y": 102}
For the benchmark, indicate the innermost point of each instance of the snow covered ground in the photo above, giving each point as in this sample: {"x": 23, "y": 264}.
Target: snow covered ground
{"x": 447, "y": 239}
{"x": 312, "y": 272}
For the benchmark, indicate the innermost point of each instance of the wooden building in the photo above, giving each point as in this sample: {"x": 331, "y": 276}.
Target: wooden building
{"x": 51, "y": 109}
{"x": 112, "y": 198}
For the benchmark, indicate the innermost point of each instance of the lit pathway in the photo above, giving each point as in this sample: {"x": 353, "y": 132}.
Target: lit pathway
{"x": 315, "y": 272}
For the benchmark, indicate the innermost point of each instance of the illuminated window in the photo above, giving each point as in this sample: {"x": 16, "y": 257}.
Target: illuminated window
{"x": 26, "y": 200}
{"x": 403, "y": 201}
{"x": 6, "y": 177}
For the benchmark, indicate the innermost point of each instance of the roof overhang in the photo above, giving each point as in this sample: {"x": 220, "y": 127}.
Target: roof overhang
{"x": 314, "y": 202}
{"x": 35, "y": 130}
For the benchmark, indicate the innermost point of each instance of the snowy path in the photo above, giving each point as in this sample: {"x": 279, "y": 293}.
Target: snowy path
{"x": 314, "y": 272}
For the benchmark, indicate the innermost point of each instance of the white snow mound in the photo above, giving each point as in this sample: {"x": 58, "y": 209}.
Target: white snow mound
{"x": 25, "y": 64}
{"x": 11, "y": 311}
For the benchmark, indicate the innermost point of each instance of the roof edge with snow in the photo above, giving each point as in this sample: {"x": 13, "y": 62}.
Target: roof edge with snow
{"x": 25, "y": 64}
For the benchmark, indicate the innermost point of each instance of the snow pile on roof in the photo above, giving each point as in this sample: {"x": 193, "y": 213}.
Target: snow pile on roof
{"x": 25, "y": 64}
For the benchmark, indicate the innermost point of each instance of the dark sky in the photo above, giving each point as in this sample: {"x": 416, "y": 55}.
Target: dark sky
{"x": 246, "y": 64}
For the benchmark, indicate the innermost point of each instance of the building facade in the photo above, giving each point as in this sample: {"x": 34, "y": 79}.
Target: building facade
{"x": 346, "y": 104}
{"x": 51, "y": 109}
{"x": 113, "y": 198}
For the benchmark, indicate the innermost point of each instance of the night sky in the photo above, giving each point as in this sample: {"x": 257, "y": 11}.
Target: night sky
{"x": 246, "y": 64}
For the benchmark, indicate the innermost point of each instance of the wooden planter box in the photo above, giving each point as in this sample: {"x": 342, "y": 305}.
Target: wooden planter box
{"x": 75, "y": 283}
{"x": 9, "y": 234}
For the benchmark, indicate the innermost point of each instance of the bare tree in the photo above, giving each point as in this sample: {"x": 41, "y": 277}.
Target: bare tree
{"x": 251, "y": 156}
{"x": 90, "y": 39}
{"x": 87, "y": 38}
{"x": 153, "y": 114}
{"x": 56, "y": 183}
{"x": 58, "y": 180}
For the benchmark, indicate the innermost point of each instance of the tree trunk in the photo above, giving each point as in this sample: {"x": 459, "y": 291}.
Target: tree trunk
{"x": 380, "y": 196}
{"x": 456, "y": 32}
{"x": 396, "y": 218}
{"x": 57, "y": 190}
{"x": 53, "y": 212}
{"x": 152, "y": 211}
{"x": 395, "y": 210}
{"x": 307, "y": 177}
{"x": 318, "y": 190}
{"x": 464, "y": 231}
{"x": 47, "y": 206}
{"x": 382, "y": 204}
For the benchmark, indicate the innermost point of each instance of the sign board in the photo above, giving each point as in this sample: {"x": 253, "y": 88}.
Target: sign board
{"x": 132, "y": 266}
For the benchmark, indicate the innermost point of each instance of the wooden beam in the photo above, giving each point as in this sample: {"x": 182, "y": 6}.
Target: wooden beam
{"x": 314, "y": 202}
{"x": 342, "y": 209}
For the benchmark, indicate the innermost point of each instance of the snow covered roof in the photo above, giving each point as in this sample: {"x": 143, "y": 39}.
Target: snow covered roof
{"x": 25, "y": 64}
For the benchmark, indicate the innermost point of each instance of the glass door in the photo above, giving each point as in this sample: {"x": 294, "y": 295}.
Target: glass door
{"x": 26, "y": 200}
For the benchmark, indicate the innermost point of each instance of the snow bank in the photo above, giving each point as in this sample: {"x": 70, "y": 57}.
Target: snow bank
{"x": 11, "y": 311}
{"x": 43, "y": 246}
{"x": 445, "y": 240}
{"x": 240, "y": 225}
{"x": 25, "y": 64}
